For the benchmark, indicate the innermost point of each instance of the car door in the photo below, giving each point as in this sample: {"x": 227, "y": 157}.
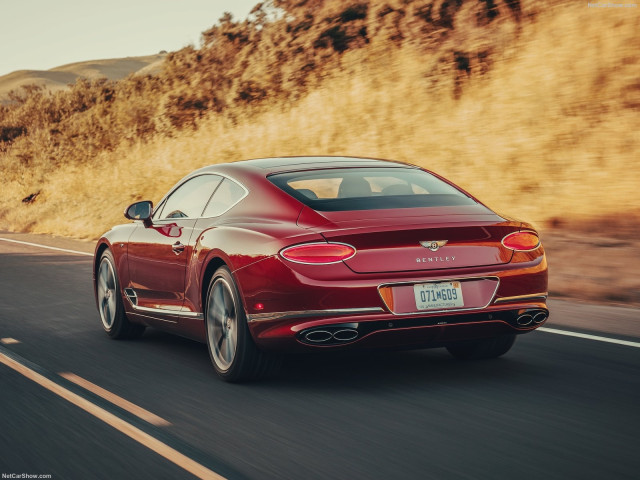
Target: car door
{"x": 158, "y": 253}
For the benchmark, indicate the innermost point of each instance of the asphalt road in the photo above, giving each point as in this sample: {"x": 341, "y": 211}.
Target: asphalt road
{"x": 555, "y": 407}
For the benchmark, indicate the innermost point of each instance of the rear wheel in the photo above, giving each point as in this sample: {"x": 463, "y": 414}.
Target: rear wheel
{"x": 484, "y": 348}
{"x": 114, "y": 319}
{"x": 233, "y": 353}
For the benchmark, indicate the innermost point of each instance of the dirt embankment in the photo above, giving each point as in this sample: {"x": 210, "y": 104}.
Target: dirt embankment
{"x": 596, "y": 260}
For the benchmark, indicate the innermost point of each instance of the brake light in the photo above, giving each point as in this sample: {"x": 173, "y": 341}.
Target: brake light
{"x": 318, "y": 253}
{"x": 521, "y": 241}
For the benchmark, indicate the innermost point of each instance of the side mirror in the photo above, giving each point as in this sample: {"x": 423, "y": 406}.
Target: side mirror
{"x": 139, "y": 211}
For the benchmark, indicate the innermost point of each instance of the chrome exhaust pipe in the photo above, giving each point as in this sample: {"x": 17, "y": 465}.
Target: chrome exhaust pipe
{"x": 318, "y": 336}
{"x": 539, "y": 317}
{"x": 345, "y": 335}
{"x": 524, "y": 320}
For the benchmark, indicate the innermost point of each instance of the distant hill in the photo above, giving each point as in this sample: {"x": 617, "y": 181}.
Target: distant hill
{"x": 59, "y": 78}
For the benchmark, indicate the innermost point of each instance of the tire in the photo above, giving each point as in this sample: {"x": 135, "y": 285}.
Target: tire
{"x": 110, "y": 306}
{"x": 234, "y": 355}
{"x": 482, "y": 349}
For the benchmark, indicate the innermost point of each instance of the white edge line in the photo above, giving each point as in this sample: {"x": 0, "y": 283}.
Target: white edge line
{"x": 46, "y": 246}
{"x": 590, "y": 337}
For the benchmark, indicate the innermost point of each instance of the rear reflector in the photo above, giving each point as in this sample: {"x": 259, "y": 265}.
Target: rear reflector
{"x": 521, "y": 241}
{"x": 318, "y": 253}
{"x": 387, "y": 296}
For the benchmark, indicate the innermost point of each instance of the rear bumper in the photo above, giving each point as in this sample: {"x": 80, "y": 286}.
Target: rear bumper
{"x": 337, "y": 300}
{"x": 385, "y": 330}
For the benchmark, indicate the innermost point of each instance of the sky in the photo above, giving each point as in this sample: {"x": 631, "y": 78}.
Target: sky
{"x": 42, "y": 34}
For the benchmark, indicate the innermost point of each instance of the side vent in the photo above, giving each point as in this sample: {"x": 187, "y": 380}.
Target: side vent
{"x": 131, "y": 295}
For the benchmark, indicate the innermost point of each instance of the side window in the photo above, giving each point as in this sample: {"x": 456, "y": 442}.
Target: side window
{"x": 189, "y": 199}
{"x": 226, "y": 196}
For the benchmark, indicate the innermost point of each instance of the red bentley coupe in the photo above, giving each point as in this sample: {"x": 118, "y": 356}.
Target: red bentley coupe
{"x": 307, "y": 253}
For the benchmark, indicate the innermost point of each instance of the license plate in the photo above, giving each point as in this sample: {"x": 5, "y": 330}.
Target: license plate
{"x": 438, "y": 296}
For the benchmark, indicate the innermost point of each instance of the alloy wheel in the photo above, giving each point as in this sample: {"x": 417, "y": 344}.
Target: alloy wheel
{"x": 222, "y": 323}
{"x": 107, "y": 293}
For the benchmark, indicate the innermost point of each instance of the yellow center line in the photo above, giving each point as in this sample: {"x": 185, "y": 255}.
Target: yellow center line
{"x": 9, "y": 340}
{"x": 132, "y": 432}
{"x": 115, "y": 399}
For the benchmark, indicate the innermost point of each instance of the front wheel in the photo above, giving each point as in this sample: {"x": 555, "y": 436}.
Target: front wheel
{"x": 233, "y": 353}
{"x": 484, "y": 348}
{"x": 114, "y": 319}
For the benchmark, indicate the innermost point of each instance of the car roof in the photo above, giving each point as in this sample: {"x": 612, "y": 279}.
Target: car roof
{"x": 266, "y": 166}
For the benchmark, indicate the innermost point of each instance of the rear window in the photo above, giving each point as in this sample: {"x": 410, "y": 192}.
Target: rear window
{"x": 342, "y": 189}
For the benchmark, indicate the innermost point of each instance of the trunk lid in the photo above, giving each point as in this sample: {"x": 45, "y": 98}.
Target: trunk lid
{"x": 442, "y": 238}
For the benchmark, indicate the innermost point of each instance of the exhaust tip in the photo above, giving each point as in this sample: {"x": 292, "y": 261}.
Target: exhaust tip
{"x": 524, "y": 320}
{"x": 345, "y": 335}
{"x": 539, "y": 317}
{"x": 330, "y": 334}
{"x": 318, "y": 336}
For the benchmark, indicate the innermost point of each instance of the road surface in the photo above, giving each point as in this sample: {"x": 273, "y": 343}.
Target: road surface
{"x": 555, "y": 407}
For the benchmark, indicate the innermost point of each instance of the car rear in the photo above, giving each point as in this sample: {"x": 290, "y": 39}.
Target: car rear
{"x": 402, "y": 258}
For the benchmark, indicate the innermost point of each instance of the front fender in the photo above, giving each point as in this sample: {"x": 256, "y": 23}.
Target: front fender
{"x": 116, "y": 240}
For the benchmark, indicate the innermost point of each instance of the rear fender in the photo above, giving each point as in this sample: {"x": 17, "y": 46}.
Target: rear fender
{"x": 237, "y": 248}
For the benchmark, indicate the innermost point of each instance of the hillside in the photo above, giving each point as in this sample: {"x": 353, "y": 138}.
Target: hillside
{"x": 59, "y": 78}
{"x": 531, "y": 105}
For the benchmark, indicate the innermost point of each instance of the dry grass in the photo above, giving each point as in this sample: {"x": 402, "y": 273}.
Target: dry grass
{"x": 547, "y": 129}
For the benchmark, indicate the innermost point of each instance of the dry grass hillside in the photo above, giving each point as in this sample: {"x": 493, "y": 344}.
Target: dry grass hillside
{"x": 59, "y": 78}
{"x": 534, "y": 106}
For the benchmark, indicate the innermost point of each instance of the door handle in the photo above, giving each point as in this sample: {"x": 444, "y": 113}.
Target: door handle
{"x": 177, "y": 248}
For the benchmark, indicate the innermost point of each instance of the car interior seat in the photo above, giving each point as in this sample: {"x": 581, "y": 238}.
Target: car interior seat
{"x": 354, "y": 187}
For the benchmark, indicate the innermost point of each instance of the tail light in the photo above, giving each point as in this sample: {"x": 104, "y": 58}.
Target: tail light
{"x": 318, "y": 253}
{"x": 521, "y": 241}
